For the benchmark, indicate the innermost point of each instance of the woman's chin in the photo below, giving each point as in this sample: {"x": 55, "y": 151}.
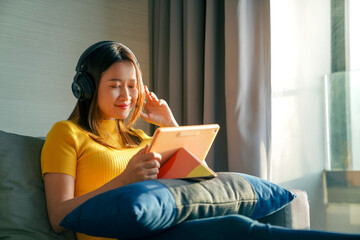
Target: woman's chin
{"x": 122, "y": 116}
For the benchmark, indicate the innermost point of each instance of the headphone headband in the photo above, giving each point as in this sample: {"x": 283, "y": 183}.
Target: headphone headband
{"x": 83, "y": 86}
{"x": 96, "y": 46}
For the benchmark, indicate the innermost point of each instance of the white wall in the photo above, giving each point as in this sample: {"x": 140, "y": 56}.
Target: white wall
{"x": 354, "y": 74}
{"x": 40, "y": 43}
{"x": 354, "y": 89}
{"x": 354, "y": 34}
{"x": 300, "y": 58}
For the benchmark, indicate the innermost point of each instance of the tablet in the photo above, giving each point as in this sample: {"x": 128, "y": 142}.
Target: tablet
{"x": 197, "y": 139}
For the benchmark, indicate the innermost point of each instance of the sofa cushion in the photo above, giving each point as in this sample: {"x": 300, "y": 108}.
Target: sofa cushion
{"x": 145, "y": 208}
{"x": 23, "y": 209}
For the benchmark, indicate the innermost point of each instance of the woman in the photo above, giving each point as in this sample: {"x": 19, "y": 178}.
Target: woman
{"x": 96, "y": 149}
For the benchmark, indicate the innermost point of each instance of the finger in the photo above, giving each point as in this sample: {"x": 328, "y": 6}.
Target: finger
{"x": 146, "y": 88}
{"x": 151, "y": 164}
{"x": 148, "y": 94}
{"x": 151, "y": 96}
{"x": 148, "y": 156}
{"x": 152, "y": 156}
{"x": 143, "y": 150}
{"x": 152, "y": 176}
{"x": 154, "y": 96}
{"x": 162, "y": 102}
{"x": 153, "y": 171}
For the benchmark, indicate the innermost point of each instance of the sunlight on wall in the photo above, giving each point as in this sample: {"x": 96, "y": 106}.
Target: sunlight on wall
{"x": 354, "y": 79}
{"x": 354, "y": 46}
{"x": 354, "y": 38}
{"x": 300, "y": 57}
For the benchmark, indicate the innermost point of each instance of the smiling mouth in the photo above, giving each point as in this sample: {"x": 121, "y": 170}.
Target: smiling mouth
{"x": 122, "y": 106}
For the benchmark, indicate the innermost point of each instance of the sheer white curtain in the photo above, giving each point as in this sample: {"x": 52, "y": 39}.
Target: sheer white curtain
{"x": 211, "y": 62}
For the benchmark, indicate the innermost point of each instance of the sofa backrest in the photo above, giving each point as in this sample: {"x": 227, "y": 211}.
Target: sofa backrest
{"x": 23, "y": 212}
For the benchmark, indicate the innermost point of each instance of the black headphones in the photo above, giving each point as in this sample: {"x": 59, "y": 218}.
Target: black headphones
{"x": 83, "y": 86}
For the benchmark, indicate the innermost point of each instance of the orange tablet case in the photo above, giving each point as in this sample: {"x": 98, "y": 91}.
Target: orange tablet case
{"x": 184, "y": 149}
{"x": 185, "y": 165}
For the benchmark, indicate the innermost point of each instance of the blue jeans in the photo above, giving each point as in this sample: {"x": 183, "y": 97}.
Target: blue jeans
{"x": 244, "y": 228}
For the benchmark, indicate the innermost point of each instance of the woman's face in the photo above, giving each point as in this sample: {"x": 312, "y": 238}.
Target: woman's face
{"x": 117, "y": 91}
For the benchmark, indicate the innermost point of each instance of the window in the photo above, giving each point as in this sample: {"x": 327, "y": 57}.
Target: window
{"x": 342, "y": 88}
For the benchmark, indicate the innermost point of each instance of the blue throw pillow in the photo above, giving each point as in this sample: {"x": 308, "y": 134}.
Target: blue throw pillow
{"x": 145, "y": 208}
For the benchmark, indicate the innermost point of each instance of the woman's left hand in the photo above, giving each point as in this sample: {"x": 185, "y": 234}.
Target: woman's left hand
{"x": 157, "y": 111}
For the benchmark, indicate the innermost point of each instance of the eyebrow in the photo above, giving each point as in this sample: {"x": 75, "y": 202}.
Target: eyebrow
{"x": 119, "y": 80}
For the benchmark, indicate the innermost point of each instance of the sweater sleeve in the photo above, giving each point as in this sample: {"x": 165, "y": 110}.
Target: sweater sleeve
{"x": 59, "y": 153}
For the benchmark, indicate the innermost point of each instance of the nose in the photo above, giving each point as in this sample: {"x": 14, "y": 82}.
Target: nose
{"x": 124, "y": 93}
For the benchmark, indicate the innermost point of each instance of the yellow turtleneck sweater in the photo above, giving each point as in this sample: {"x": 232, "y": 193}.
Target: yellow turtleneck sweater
{"x": 69, "y": 149}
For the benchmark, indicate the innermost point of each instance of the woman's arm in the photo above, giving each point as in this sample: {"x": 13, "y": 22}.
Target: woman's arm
{"x": 59, "y": 187}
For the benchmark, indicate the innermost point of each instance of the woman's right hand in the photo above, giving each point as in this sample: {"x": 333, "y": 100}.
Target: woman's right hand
{"x": 142, "y": 166}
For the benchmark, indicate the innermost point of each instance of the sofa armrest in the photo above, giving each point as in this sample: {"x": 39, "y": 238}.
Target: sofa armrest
{"x": 295, "y": 215}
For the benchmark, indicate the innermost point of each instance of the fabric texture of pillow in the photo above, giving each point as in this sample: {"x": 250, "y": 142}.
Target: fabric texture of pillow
{"x": 145, "y": 208}
{"x": 23, "y": 212}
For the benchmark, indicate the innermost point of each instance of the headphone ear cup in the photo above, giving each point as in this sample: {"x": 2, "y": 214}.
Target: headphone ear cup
{"x": 83, "y": 86}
